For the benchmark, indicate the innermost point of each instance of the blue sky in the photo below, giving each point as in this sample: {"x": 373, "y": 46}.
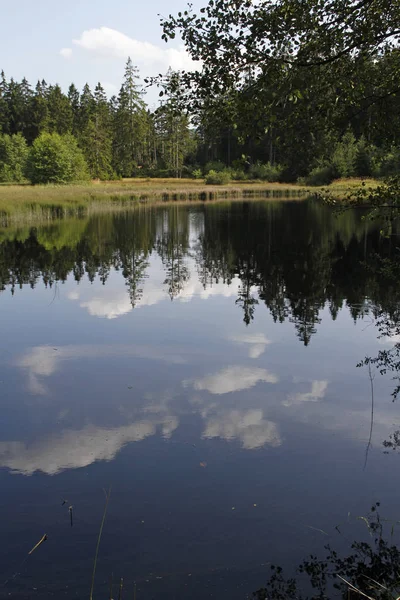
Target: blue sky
{"x": 87, "y": 40}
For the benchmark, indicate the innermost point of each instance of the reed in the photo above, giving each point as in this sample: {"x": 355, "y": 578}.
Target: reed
{"x": 108, "y": 494}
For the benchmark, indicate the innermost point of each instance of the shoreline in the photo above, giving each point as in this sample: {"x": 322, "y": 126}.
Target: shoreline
{"x": 27, "y": 203}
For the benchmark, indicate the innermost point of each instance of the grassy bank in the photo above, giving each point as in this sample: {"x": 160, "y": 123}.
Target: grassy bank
{"x": 30, "y": 203}
{"x": 26, "y": 202}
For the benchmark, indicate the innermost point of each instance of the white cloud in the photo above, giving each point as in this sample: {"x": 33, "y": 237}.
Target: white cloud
{"x": 195, "y": 289}
{"x": 108, "y": 309}
{"x": 318, "y": 391}
{"x": 43, "y": 361}
{"x": 232, "y": 379}
{"x": 387, "y": 340}
{"x": 74, "y": 449}
{"x": 66, "y": 52}
{"x": 111, "y": 302}
{"x": 110, "y": 43}
{"x": 249, "y": 427}
{"x": 257, "y": 343}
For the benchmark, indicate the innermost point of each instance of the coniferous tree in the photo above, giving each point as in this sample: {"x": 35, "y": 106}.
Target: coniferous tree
{"x": 60, "y": 117}
{"x": 96, "y": 138}
{"x": 4, "y": 127}
{"x": 130, "y": 124}
{"x": 74, "y": 100}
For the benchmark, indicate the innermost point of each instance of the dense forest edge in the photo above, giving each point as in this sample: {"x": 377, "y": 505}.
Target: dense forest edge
{"x": 47, "y": 136}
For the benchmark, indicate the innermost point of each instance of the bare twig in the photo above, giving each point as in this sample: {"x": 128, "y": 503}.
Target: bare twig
{"x": 40, "y": 542}
{"x": 352, "y": 587}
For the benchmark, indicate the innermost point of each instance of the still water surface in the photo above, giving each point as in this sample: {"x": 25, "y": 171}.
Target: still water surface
{"x": 201, "y": 362}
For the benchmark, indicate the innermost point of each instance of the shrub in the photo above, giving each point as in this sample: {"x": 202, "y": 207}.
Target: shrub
{"x": 390, "y": 164}
{"x": 240, "y": 164}
{"x": 215, "y": 165}
{"x": 221, "y": 178}
{"x": 197, "y": 174}
{"x": 266, "y": 171}
{"x": 238, "y": 175}
{"x": 344, "y": 156}
{"x": 55, "y": 158}
{"x": 364, "y": 159}
{"x": 323, "y": 175}
{"x": 13, "y": 157}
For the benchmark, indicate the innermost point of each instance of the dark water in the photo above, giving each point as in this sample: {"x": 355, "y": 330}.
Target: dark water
{"x": 201, "y": 362}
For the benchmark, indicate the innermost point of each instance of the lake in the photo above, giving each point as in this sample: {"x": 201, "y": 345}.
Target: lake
{"x": 201, "y": 362}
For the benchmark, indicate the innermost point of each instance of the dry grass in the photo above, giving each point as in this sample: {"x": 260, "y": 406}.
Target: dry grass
{"x": 26, "y": 203}
{"x": 351, "y": 184}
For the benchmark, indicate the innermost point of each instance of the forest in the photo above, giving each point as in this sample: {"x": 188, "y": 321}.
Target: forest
{"x": 332, "y": 120}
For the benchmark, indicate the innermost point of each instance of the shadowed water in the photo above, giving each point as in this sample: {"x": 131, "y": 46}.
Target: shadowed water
{"x": 201, "y": 361}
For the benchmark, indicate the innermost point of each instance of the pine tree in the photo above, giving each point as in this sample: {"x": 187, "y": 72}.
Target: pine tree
{"x": 4, "y": 117}
{"x": 96, "y": 139}
{"x": 17, "y": 97}
{"x": 86, "y": 107}
{"x": 39, "y": 113}
{"x": 74, "y": 100}
{"x": 175, "y": 140}
{"x": 60, "y": 117}
{"x": 130, "y": 125}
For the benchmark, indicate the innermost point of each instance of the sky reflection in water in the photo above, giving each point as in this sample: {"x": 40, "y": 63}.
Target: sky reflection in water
{"x": 204, "y": 356}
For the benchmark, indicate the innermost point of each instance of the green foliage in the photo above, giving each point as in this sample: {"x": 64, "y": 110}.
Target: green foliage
{"x": 344, "y": 156}
{"x": 215, "y": 165}
{"x": 364, "y": 159}
{"x": 238, "y": 175}
{"x": 96, "y": 137}
{"x": 320, "y": 176}
{"x": 266, "y": 172}
{"x": 218, "y": 177}
{"x": 56, "y": 159}
{"x": 130, "y": 125}
{"x": 197, "y": 174}
{"x": 390, "y": 163}
{"x": 13, "y": 156}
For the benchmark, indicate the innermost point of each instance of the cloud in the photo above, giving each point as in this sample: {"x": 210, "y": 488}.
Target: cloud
{"x": 257, "y": 342}
{"x": 108, "y": 309}
{"x": 111, "y": 303}
{"x": 318, "y": 391}
{"x": 195, "y": 289}
{"x": 232, "y": 379}
{"x": 110, "y": 43}
{"x": 249, "y": 427}
{"x": 66, "y": 52}
{"x": 75, "y": 449}
{"x": 44, "y": 361}
{"x": 387, "y": 340}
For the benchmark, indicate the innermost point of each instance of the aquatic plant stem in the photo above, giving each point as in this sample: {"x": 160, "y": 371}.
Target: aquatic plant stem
{"x": 98, "y": 542}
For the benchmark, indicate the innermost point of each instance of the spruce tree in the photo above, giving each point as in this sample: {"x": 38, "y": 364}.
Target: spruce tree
{"x": 130, "y": 125}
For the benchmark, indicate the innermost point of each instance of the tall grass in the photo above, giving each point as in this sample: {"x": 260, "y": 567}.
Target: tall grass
{"x": 26, "y": 203}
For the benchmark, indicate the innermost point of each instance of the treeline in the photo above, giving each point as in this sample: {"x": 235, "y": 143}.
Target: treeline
{"x": 49, "y": 136}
